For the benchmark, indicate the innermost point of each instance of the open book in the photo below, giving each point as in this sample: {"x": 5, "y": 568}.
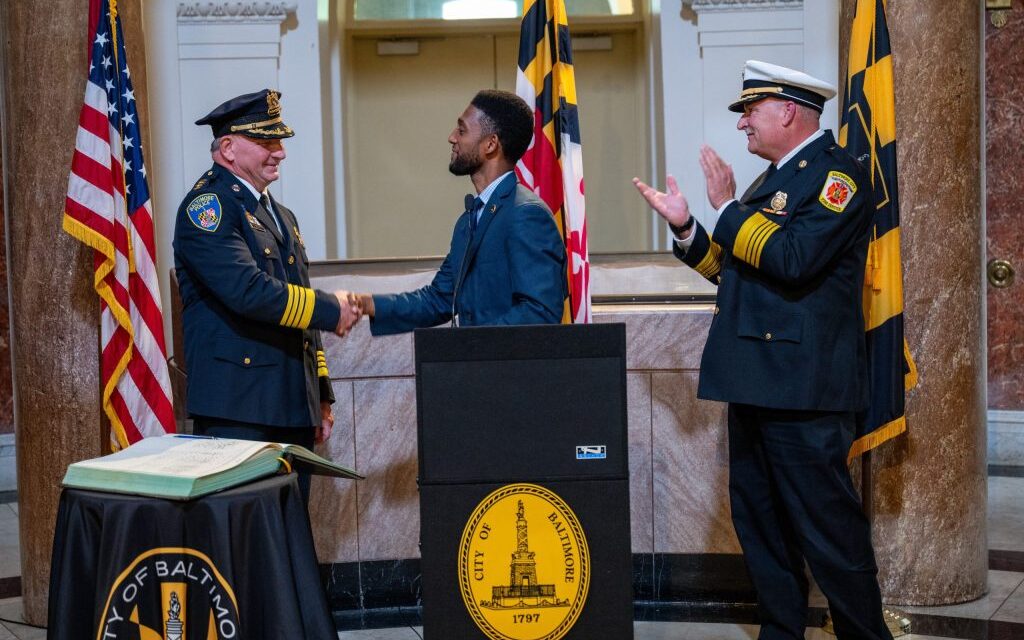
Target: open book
{"x": 182, "y": 467}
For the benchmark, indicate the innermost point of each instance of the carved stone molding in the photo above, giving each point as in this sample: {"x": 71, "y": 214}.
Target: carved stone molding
{"x": 708, "y": 6}
{"x": 235, "y": 12}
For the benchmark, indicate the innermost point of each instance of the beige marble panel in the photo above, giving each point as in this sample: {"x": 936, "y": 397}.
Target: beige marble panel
{"x": 360, "y": 355}
{"x": 691, "y": 469}
{"x": 641, "y": 476}
{"x": 332, "y": 502}
{"x": 388, "y": 500}
{"x": 661, "y": 336}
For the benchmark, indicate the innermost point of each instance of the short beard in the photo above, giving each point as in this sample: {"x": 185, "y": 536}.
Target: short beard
{"x": 464, "y": 166}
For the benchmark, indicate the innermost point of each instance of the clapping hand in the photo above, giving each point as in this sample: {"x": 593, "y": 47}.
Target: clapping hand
{"x": 671, "y": 206}
{"x": 721, "y": 182}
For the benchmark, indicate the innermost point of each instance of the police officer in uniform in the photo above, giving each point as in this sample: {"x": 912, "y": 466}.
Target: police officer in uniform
{"x": 256, "y": 366}
{"x": 786, "y": 349}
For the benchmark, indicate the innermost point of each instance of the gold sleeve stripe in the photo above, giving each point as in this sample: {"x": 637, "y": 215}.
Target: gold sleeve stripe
{"x": 321, "y": 365}
{"x": 752, "y": 237}
{"x": 711, "y": 264}
{"x": 298, "y": 311}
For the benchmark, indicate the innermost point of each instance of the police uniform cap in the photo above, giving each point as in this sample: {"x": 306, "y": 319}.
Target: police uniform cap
{"x": 765, "y": 80}
{"x": 255, "y": 115}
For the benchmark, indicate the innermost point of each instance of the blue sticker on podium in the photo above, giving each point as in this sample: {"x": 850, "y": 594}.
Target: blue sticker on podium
{"x": 591, "y": 452}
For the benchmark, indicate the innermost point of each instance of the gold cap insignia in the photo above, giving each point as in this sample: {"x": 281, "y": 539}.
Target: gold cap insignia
{"x": 273, "y": 104}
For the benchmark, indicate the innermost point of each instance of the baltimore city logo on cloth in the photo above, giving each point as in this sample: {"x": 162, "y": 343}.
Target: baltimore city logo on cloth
{"x": 165, "y": 589}
{"x": 524, "y": 565}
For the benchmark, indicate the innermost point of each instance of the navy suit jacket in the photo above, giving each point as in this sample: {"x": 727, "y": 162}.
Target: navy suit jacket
{"x": 788, "y": 330}
{"x": 512, "y": 271}
{"x": 252, "y": 348}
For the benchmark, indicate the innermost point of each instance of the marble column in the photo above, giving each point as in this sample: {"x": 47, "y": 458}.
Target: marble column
{"x": 54, "y": 310}
{"x": 929, "y": 494}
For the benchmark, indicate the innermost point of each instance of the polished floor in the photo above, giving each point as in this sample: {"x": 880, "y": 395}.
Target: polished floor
{"x": 997, "y": 616}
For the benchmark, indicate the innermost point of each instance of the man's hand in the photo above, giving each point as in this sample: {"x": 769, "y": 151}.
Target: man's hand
{"x": 671, "y": 206}
{"x": 721, "y": 182}
{"x": 323, "y": 432}
{"x": 351, "y": 312}
{"x": 365, "y": 301}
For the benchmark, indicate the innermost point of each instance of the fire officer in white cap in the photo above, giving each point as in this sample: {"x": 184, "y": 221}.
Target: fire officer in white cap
{"x": 786, "y": 349}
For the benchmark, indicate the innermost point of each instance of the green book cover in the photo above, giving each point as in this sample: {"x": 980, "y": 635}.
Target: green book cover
{"x": 184, "y": 467}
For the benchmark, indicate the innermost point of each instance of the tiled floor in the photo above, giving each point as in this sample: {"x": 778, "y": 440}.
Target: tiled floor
{"x": 997, "y": 616}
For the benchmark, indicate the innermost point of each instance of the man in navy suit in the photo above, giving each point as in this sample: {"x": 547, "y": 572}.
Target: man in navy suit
{"x": 786, "y": 350}
{"x": 256, "y": 367}
{"x": 506, "y": 264}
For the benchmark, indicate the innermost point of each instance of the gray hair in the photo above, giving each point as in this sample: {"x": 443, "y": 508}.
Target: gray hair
{"x": 215, "y": 145}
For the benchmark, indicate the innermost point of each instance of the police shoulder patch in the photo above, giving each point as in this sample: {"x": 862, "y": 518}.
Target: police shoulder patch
{"x": 838, "y": 191}
{"x": 205, "y": 212}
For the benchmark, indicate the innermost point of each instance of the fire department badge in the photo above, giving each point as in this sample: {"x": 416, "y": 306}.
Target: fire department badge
{"x": 838, "y": 191}
{"x": 779, "y": 200}
{"x": 204, "y": 211}
{"x": 524, "y": 565}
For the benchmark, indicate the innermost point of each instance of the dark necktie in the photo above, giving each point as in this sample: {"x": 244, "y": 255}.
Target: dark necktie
{"x": 265, "y": 203}
{"x": 472, "y": 205}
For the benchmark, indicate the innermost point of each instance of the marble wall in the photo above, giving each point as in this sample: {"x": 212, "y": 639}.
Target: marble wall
{"x": 1004, "y": 91}
{"x": 677, "y": 451}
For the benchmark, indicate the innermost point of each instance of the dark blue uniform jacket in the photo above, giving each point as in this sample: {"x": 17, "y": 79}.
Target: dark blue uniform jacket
{"x": 512, "y": 271}
{"x": 788, "y": 330}
{"x": 251, "y": 321}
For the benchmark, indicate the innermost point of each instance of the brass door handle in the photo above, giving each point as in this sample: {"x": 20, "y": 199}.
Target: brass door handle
{"x": 1000, "y": 273}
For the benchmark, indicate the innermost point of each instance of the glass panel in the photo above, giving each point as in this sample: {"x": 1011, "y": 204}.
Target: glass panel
{"x": 477, "y": 9}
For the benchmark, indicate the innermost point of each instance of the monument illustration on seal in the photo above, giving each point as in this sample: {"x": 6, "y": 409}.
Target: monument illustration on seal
{"x": 522, "y": 591}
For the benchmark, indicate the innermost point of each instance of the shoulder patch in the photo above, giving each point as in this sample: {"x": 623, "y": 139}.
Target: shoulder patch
{"x": 205, "y": 212}
{"x": 838, "y": 191}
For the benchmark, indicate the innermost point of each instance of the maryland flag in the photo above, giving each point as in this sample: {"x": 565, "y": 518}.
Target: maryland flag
{"x": 553, "y": 165}
{"x": 869, "y": 133}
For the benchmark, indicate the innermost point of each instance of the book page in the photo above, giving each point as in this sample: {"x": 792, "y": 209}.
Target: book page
{"x": 178, "y": 456}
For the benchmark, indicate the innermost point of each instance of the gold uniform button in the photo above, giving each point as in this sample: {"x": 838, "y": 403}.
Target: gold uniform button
{"x": 768, "y": 336}
{"x": 803, "y": 163}
{"x": 247, "y": 360}
{"x": 291, "y": 259}
{"x": 266, "y": 251}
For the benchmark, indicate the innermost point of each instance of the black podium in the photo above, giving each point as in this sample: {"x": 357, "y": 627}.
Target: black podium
{"x": 524, "y": 483}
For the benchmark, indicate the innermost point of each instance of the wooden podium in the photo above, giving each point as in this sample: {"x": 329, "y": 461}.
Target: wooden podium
{"x": 524, "y": 483}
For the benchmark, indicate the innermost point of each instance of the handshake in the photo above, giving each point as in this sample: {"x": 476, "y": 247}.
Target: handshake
{"x": 353, "y": 307}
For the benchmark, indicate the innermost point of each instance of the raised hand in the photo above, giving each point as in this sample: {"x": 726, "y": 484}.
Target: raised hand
{"x": 671, "y": 206}
{"x": 721, "y": 182}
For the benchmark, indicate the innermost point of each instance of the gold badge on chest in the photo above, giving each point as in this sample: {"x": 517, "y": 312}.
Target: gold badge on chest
{"x": 779, "y": 200}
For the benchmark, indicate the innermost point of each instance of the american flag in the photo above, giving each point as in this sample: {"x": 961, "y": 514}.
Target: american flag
{"x": 108, "y": 208}
{"x": 553, "y": 165}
